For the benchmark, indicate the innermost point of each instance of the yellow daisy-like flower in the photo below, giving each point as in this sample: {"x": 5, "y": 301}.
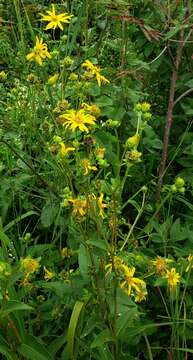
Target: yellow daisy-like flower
{"x": 87, "y": 166}
{"x": 48, "y": 275}
{"x": 55, "y": 20}
{"x": 141, "y": 295}
{"x": 29, "y": 265}
{"x": 80, "y": 207}
{"x": 173, "y": 278}
{"x": 95, "y": 71}
{"x": 73, "y": 120}
{"x": 132, "y": 283}
{"x": 39, "y": 53}
{"x": 64, "y": 150}
{"x": 160, "y": 264}
{"x": 101, "y": 205}
{"x": 93, "y": 109}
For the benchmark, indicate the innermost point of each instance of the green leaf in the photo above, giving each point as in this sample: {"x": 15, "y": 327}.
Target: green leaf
{"x": 177, "y": 232}
{"x": 34, "y": 350}
{"x": 125, "y": 319}
{"x": 4, "y": 350}
{"x": 69, "y": 350}
{"x": 12, "y": 306}
{"x": 49, "y": 213}
{"x": 84, "y": 261}
{"x": 56, "y": 344}
{"x": 101, "y": 244}
{"x": 102, "y": 338}
{"x": 58, "y": 287}
{"x": 19, "y": 218}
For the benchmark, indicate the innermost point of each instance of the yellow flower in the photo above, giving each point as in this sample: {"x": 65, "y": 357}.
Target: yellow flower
{"x": 118, "y": 262}
{"x": 134, "y": 155}
{"x": 77, "y": 120}
{"x": 141, "y": 295}
{"x": 190, "y": 261}
{"x": 52, "y": 79}
{"x": 66, "y": 252}
{"x": 64, "y": 150}
{"x": 100, "y": 153}
{"x": 145, "y": 106}
{"x": 95, "y": 71}
{"x": 131, "y": 283}
{"x": 29, "y": 265}
{"x": 133, "y": 141}
{"x": 73, "y": 77}
{"x": 173, "y": 278}
{"x": 93, "y": 109}
{"x": 39, "y": 52}
{"x": 160, "y": 264}
{"x": 101, "y": 205}
{"x": 55, "y": 20}
{"x": 80, "y": 207}
{"x": 87, "y": 166}
{"x": 48, "y": 275}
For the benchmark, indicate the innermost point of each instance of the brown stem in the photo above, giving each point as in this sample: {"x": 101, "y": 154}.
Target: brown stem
{"x": 169, "y": 116}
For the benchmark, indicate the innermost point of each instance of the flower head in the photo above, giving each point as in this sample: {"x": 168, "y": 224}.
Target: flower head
{"x": 173, "y": 278}
{"x": 39, "y": 53}
{"x": 134, "y": 155}
{"x": 29, "y": 265}
{"x": 80, "y": 207}
{"x": 55, "y": 20}
{"x": 100, "y": 153}
{"x": 64, "y": 150}
{"x": 95, "y": 71}
{"x": 145, "y": 107}
{"x": 73, "y": 120}
{"x": 92, "y": 109}
{"x": 87, "y": 166}
{"x": 101, "y": 205}
{"x": 160, "y": 265}
{"x": 48, "y": 275}
{"x": 132, "y": 283}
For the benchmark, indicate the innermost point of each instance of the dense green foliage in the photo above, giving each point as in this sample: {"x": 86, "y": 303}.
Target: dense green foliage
{"x": 96, "y": 173}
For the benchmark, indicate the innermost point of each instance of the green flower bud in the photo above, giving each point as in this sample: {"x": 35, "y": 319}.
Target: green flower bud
{"x": 182, "y": 190}
{"x": 179, "y": 182}
{"x": 138, "y": 107}
{"x": 174, "y": 188}
{"x": 145, "y": 107}
{"x": 147, "y": 116}
{"x": 144, "y": 189}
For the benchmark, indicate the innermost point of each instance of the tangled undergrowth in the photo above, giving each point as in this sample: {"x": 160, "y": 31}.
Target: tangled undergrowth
{"x": 96, "y": 206}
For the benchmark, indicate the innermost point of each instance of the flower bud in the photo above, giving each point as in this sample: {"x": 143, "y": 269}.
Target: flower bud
{"x": 145, "y": 107}
{"x": 133, "y": 141}
{"x": 179, "y": 182}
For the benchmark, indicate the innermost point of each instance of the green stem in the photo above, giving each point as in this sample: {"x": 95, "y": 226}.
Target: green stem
{"x": 135, "y": 222}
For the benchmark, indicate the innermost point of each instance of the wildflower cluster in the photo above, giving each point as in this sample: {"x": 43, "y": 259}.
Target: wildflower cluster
{"x": 90, "y": 206}
{"x": 133, "y": 286}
